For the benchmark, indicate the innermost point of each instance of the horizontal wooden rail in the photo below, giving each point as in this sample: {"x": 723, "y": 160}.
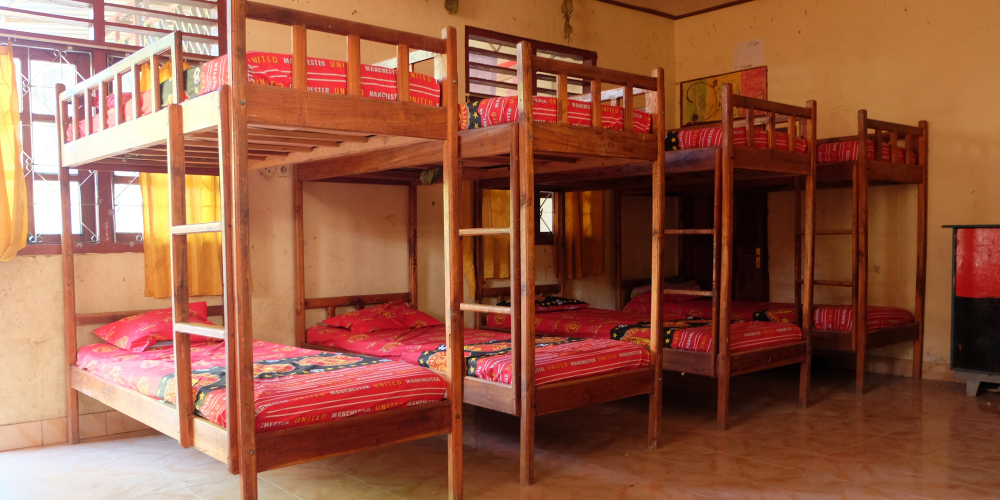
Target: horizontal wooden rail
{"x": 104, "y": 318}
{"x": 352, "y": 300}
{"x": 896, "y": 127}
{"x": 688, "y": 231}
{"x": 556, "y": 67}
{"x": 136, "y": 58}
{"x": 610, "y": 94}
{"x": 697, "y": 293}
{"x": 212, "y": 331}
{"x": 769, "y": 106}
{"x": 204, "y": 227}
{"x": 847, "y": 284}
{"x": 326, "y": 24}
{"x": 505, "y": 291}
{"x": 829, "y": 232}
{"x": 484, "y": 231}
{"x": 485, "y": 308}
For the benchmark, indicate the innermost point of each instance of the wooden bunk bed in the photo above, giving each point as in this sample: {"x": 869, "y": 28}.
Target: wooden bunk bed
{"x": 228, "y": 132}
{"x": 506, "y": 153}
{"x": 898, "y": 156}
{"x": 719, "y": 168}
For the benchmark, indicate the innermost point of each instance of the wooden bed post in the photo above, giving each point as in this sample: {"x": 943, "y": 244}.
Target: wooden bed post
{"x": 298, "y": 224}
{"x": 918, "y": 303}
{"x": 726, "y": 252}
{"x": 861, "y": 307}
{"x": 810, "y": 252}
{"x": 799, "y": 235}
{"x": 240, "y": 370}
{"x": 455, "y": 320}
{"x": 558, "y": 239}
{"x": 658, "y": 111}
{"x": 525, "y": 127}
{"x": 411, "y": 241}
{"x": 716, "y": 258}
{"x": 617, "y": 273}
{"x": 69, "y": 277}
{"x": 515, "y": 271}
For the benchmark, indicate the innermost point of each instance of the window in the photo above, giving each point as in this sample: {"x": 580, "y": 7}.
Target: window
{"x": 545, "y": 222}
{"x": 491, "y": 60}
{"x": 121, "y": 25}
{"x": 106, "y": 206}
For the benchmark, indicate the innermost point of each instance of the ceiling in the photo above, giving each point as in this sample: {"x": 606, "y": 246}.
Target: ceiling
{"x": 675, "y": 9}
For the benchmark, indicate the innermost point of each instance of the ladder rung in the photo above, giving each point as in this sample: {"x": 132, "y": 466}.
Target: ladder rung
{"x": 204, "y": 227}
{"x": 483, "y": 308}
{"x": 830, "y": 283}
{"x": 484, "y": 231}
{"x": 689, "y": 231}
{"x": 827, "y": 232}
{"x": 699, "y": 293}
{"x": 213, "y": 331}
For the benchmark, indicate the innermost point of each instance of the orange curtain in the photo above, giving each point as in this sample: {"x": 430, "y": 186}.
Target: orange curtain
{"x": 496, "y": 249}
{"x": 204, "y": 204}
{"x": 583, "y": 234}
{"x": 13, "y": 197}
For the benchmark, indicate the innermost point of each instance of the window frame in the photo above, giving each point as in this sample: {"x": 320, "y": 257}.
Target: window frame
{"x": 100, "y": 193}
{"x": 589, "y": 58}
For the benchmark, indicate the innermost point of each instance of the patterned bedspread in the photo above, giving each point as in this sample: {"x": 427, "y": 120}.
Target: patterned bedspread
{"x": 696, "y": 335}
{"x": 292, "y": 387}
{"x": 488, "y": 353}
{"x": 587, "y": 323}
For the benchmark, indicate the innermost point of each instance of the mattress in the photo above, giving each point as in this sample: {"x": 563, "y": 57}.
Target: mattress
{"x": 696, "y": 335}
{"x": 267, "y": 68}
{"x": 499, "y": 110}
{"x": 831, "y": 152}
{"x": 709, "y": 137}
{"x": 587, "y": 323}
{"x": 825, "y": 317}
{"x": 487, "y": 353}
{"x": 292, "y": 387}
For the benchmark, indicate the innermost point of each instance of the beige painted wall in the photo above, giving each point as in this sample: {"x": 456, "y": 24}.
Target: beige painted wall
{"x": 355, "y": 235}
{"x": 903, "y": 61}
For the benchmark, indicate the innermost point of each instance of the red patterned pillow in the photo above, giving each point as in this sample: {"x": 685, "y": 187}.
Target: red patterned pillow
{"x": 139, "y": 332}
{"x": 367, "y": 320}
{"x": 410, "y": 317}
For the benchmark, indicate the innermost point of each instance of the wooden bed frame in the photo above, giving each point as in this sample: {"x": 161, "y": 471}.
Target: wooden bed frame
{"x": 227, "y": 133}
{"x": 506, "y": 153}
{"x": 716, "y": 168}
{"x": 860, "y": 175}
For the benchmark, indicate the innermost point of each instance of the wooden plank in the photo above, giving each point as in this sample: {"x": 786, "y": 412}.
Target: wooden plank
{"x": 921, "y": 278}
{"x": 298, "y": 253}
{"x": 484, "y": 231}
{"x": 279, "y": 107}
{"x": 591, "y": 73}
{"x": 407, "y": 156}
{"x": 893, "y": 335}
{"x": 771, "y": 160}
{"x": 135, "y": 134}
{"x": 354, "y": 300}
{"x": 326, "y": 24}
{"x": 104, "y": 318}
{"x": 204, "y": 227}
{"x": 138, "y": 57}
{"x": 740, "y": 101}
{"x": 589, "y": 141}
{"x": 770, "y": 357}
{"x": 896, "y": 173}
{"x": 861, "y": 308}
{"x": 595, "y": 111}
{"x": 698, "y": 363}
{"x": 284, "y": 447}
{"x": 403, "y": 73}
{"x": 505, "y": 291}
{"x": 299, "y": 58}
{"x": 893, "y": 127}
{"x": 353, "y": 65}
{"x": 212, "y": 331}
{"x": 485, "y": 308}
{"x": 683, "y": 161}
{"x": 343, "y": 149}
{"x": 411, "y": 243}
{"x": 492, "y": 395}
{"x": 68, "y": 280}
{"x": 725, "y": 265}
{"x": 486, "y": 141}
{"x": 576, "y": 393}
{"x": 809, "y": 240}
{"x": 828, "y": 340}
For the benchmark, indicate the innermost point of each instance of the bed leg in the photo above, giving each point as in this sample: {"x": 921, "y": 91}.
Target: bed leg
{"x": 455, "y": 462}
{"x": 804, "y": 374}
{"x": 723, "y": 412}
{"x": 918, "y": 358}
{"x": 527, "y": 475}
{"x": 859, "y": 388}
{"x": 72, "y": 416}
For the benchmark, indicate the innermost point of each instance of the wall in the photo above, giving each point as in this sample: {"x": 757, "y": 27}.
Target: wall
{"x": 903, "y": 61}
{"x": 355, "y": 235}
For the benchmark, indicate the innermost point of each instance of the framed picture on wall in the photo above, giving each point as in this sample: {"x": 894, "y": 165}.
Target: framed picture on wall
{"x": 701, "y": 99}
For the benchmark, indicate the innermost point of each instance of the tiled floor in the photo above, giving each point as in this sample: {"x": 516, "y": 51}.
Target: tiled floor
{"x": 901, "y": 440}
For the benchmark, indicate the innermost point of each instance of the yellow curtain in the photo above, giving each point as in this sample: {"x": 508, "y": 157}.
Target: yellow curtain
{"x": 13, "y": 198}
{"x": 496, "y": 249}
{"x": 583, "y": 234}
{"x": 204, "y": 250}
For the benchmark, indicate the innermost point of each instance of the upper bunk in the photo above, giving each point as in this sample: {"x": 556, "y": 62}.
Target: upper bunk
{"x": 569, "y": 134}
{"x": 297, "y": 108}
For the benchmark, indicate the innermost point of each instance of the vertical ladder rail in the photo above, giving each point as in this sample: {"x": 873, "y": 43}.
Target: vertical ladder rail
{"x": 69, "y": 272}
{"x": 810, "y": 252}
{"x": 726, "y": 254}
{"x": 861, "y": 229}
{"x": 658, "y": 112}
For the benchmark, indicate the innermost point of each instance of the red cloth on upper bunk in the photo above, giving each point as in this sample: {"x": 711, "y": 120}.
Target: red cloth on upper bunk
{"x": 266, "y": 68}
{"x": 831, "y": 152}
{"x": 835, "y": 318}
{"x": 292, "y": 387}
{"x": 487, "y": 353}
{"x": 498, "y": 110}
{"x": 708, "y": 137}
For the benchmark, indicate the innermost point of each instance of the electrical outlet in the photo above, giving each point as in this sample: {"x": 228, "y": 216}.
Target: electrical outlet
{"x": 267, "y": 172}
{"x": 284, "y": 171}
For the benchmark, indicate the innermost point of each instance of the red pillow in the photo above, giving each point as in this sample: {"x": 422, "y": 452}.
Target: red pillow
{"x": 139, "y": 332}
{"x": 389, "y": 316}
{"x": 410, "y": 317}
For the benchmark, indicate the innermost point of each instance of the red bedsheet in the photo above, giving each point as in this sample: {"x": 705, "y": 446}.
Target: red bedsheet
{"x": 848, "y": 151}
{"x": 696, "y": 335}
{"x": 498, "y": 110}
{"x": 588, "y": 322}
{"x": 835, "y": 318}
{"x": 708, "y": 137}
{"x": 488, "y": 353}
{"x": 292, "y": 387}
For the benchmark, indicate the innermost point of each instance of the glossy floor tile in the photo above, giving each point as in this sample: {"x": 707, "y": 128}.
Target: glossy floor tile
{"x": 901, "y": 440}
